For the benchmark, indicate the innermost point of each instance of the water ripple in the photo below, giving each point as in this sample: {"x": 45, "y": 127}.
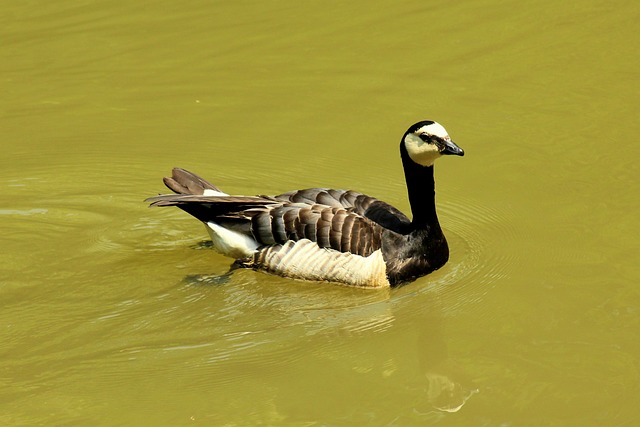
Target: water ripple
{"x": 479, "y": 238}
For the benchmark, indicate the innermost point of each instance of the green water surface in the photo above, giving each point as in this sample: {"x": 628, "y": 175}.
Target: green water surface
{"x": 107, "y": 316}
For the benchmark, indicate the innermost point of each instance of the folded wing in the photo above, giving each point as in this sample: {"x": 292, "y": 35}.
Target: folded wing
{"x": 270, "y": 221}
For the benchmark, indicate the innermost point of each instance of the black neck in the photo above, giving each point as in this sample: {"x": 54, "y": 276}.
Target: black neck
{"x": 421, "y": 189}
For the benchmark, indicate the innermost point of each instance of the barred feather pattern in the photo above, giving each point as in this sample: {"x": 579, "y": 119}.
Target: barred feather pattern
{"x": 361, "y": 204}
{"x": 305, "y": 260}
{"x": 271, "y": 221}
{"x": 345, "y": 227}
{"x": 329, "y": 227}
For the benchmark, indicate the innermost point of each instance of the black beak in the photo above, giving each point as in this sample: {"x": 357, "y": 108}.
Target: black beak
{"x": 451, "y": 147}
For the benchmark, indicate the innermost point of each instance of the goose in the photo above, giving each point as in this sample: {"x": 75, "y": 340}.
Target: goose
{"x": 324, "y": 234}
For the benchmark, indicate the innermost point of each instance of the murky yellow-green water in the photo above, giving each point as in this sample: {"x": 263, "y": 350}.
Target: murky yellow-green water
{"x": 105, "y": 319}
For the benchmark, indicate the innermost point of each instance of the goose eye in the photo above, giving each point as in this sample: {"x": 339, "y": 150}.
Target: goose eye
{"x": 425, "y": 137}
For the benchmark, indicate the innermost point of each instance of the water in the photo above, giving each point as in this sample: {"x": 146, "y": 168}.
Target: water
{"x": 108, "y": 316}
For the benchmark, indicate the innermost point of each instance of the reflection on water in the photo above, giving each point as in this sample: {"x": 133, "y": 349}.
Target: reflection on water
{"x": 447, "y": 386}
{"x": 446, "y": 395}
{"x": 27, "y": 212}
{"x": 336, "y": 313}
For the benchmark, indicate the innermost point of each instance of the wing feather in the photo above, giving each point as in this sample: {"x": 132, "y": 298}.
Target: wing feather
{"x": 261, "y": 228}
{"x": 324, "y": 198}
{"x": 347, "y": 233}
{"x": 335, "y": 235}
{"x": 300, "y": 227}
{"x": 278, "y": 228}
{"x": 344, "y": 220}
{"x": 291, "y": 220}
{"x": 323, "y": 228}
{"x": 365, "y": 206}
{"x": 334, "y": 228}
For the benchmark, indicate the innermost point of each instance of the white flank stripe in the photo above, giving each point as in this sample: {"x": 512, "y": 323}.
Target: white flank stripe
{"x": 231, "y": 243}
{"x": 305, "y": 260}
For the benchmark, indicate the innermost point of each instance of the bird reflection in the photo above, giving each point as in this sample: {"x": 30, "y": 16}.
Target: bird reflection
{"x": 447, "y": 386}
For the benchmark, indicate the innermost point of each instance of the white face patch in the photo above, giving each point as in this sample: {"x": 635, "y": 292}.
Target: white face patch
{"x": 421, "y": 152}
{"x": 435, "y": 129}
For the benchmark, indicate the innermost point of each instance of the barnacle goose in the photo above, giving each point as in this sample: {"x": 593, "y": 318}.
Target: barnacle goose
{"x": 324, "y": 234}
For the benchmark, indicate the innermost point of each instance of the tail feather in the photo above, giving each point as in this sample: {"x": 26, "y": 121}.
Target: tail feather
{"x": 184, "y": 182}
{"x": 210, "y": 208}
{"x": 233, "y": 202}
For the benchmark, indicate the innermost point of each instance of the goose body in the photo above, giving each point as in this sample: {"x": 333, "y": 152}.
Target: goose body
{"x": 325, "y": 234}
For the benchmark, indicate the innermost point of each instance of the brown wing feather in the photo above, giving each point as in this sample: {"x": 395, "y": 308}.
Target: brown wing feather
{"x": 343, "y": 220}
{"x": 329, "y": 227}
{"x": 346, "y": 233}
{"x": 179, "y": 199}
{"x": 329, "y": 197}
{"x": 366, "y": 206}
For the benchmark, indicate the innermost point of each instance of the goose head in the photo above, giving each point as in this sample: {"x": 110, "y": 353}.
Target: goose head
{"x": 426, "y": 141}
